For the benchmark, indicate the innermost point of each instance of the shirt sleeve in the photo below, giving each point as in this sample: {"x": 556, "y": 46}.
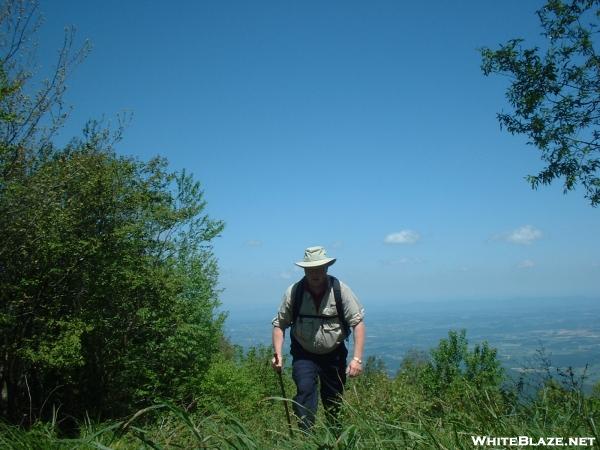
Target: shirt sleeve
{"x": 354, "y": 313}
{"x": 283, "y": 319}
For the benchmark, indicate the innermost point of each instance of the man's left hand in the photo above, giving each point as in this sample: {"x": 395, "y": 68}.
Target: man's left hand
{"x": 354, "y": 368}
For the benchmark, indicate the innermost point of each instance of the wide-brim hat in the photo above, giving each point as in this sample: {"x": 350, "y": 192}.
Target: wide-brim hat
{"x": 315, "y": 257}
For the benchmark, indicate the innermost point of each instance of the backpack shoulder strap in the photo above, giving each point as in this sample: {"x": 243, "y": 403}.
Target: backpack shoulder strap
{"x": 297, "y": 294}
{"x": 337, "y": 293}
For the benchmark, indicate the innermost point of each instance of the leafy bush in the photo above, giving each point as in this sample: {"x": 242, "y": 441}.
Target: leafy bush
{"x": 452, "y": 363}
{"x": 107, "y": 280}
{"x": 378, "y": 412}
{"x": 242, "y": 383}
{"x": 107, "y": 277}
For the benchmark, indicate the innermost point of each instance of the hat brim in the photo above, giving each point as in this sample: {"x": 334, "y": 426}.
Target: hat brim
{"x": 321, "y": 262}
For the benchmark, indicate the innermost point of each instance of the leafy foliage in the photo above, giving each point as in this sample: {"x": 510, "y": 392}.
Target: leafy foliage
{"x": 34, "y": 104}
{"x": 378, "y": 412}
{"x": 107, "y": 278}
{"x": 241, "y": 383}
{"x": 108, "y": 283}
{"x": 555, "y": 94}
{"x": 452, "y": 363}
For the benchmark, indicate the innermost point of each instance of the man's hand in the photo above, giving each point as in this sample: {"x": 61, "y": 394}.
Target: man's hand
{"x": 354, "y": 368}
{"x": 277, "y": 362}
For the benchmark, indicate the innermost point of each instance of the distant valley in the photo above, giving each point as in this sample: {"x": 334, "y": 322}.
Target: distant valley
{"x": 564, "y": 332}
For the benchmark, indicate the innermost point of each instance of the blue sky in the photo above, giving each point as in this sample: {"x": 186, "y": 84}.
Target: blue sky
{"x": 366, "y": 127}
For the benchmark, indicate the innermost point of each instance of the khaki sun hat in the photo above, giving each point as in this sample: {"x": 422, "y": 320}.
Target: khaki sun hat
{"x": 315, "y": 257}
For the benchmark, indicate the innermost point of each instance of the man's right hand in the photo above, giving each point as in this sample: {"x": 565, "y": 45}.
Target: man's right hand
{"x": 277, "y": 362}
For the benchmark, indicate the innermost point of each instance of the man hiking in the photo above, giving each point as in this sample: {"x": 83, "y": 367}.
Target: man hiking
{"x": 321, "y": 310}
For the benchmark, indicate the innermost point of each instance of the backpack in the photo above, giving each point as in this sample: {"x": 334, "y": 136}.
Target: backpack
{"x": 298, "y": 292}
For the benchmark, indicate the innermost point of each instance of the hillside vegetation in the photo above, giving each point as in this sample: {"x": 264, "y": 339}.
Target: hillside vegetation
{"x": 438, "y": 402}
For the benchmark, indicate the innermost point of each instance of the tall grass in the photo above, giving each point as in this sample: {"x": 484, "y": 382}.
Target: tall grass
{"x": 377, "y": 413}
{"x": 241, "y": 408}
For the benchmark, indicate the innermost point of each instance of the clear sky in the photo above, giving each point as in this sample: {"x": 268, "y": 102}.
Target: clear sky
{"x": 366, "y": 127}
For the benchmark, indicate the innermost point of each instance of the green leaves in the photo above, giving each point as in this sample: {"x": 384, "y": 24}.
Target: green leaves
{"x": 59, "y": 347}
{"x": 554, "y": 94}
{"x": 107, "y": 277}
{"x": 452, "y": 363}
{"x": 107, "y": 281}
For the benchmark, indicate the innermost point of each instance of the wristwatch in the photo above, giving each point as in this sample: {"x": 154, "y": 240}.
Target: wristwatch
{"x": 358, "y": 360}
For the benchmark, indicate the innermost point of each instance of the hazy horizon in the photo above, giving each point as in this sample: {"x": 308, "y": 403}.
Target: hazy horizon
{"x": 566, "y": 329}
{"x": 239, "y": 310}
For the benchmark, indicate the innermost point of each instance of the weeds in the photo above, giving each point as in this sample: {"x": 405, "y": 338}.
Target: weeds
{"x": 412, "y": 410}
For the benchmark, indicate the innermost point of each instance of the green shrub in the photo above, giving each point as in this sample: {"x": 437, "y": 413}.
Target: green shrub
{"x": 108, "y": 285}
{"x": 242, "y": 383}
{"x": 452, "y": 363}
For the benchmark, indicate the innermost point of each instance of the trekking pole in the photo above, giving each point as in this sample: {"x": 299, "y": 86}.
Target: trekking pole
{"x": 287, "y": 410}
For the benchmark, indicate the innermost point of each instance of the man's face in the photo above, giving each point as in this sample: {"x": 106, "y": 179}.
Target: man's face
{"x": 316, "y": 277}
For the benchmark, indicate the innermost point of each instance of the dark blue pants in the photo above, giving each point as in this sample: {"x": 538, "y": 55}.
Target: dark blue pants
{"x": 329, "y": 370}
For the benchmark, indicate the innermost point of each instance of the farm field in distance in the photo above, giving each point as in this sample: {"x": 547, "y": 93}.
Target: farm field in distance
{"x": 566, "y": 332}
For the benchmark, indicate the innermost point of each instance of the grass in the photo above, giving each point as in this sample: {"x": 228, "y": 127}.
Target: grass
{"x": 429, "y": 405}
{"x": 377, "y": 413}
